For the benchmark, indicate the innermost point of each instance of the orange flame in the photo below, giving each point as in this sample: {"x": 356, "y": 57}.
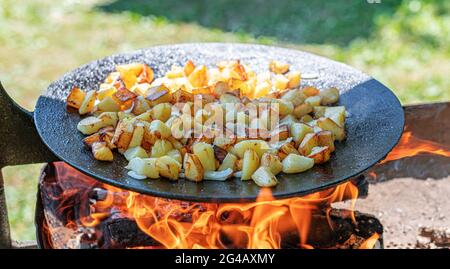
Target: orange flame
{"x": 409, "y": 146}
{"x": 261, "y": 224}
{"x": 180, "y": 224}
{"x": 370, "y": 242}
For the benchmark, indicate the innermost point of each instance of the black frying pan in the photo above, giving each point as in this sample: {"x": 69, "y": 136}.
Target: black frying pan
{"x": 374, "y": 125}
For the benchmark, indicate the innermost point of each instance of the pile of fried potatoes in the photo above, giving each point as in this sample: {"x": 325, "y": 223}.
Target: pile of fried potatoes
{"x": 140, "y": 117}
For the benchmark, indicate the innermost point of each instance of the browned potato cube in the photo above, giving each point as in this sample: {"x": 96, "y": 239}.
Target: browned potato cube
{"x": 220, "y": 88}
{"x": 320, "y": 154}
{"x": 294, "y": 79}
{"x": 309, "y": 142}
{"x": 302, "y": 110}
{"x": 182, "y": 96}
{"x": 289, "y": 148}
{"x": 75, "y": 98}
{"x": 157, "y": 95}
{"x": 329, "y": 96}
{"x": 193, "y": 169}
{"x": 146, "y": 76}
{"x": 88, "y": 104}
{"x": 310, "y": 91}
{"x": 188, "y": 68}
{"x": 329, "y": 125}
{"x": 124, "y": 133}
{"x": 124, "y": 98}
{"x": 278, "y": 67}
{"x": 326, "y": 139}
{"x": 140, "y": 106}
{"x": 279, "y": 134}
{"x": 198, "y": 77}
{"x": 102, "y": 152}
{"x": 272, "y": 162}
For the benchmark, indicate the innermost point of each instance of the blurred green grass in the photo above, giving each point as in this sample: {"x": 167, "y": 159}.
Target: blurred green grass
{"x": 404, "y": 44}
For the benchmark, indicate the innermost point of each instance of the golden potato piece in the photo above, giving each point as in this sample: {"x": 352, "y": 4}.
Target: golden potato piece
{"x": 198, "y": 77}
{"x": 229, "y": 162}
{"x": 262, "y": 89}
{"x": 329, "y": 96}
{"x": 306, "y": 119}
{"x": 205, "y": 153}
{"x": 250, "y": 163}
{"x": 90, "y": 125}
{"x": 102, "y": 152}
{"x": 161, "y": 111}
{"x": 278, "y": 67}
{"x": 87, "y": 106}
{"x": 182, "y": 96}
{"x": 129, "y": 73}
{"x": 310, "y": 91}
{"x": 188, "y": 68}
{"x": 263, "y": 177}
{"x": 288, "y": 148}
{"x": 193, "y": 169}
{"x": 295, "y": 96}
{"x": 157, "y": 95}
{"x": 229, "y": 98}
{"x": 280, "y": 133}
{"x": 320, "y": 154}
{"x": 272, "y": 162}
{"x": 326, "y": 139}
{"x": 259, "y": 146}
{"x": 146, "y": 167}
{"x": 109, "y": 118}
{"x": 294, "y": 79}
{"x": 298, "y": 132}
{"x": 75, "y": 98}
{"x": 138, "y": 135}
{"x": 308, "y": 143}
{"x": 123, "y": 134}
{"x": 225, "y": 143}
{"x": 105, "y": 90}
{"x": 302, "y": 110}
{"x": 146, "y": 75}
{"x": 160, "y": 148}
{"x": 176, "y": 155}
{"x": 108, "y": 104}
{"x": 336, "y": 114}
{"x": 160, "y": 129}
{"x": 294, "y": 163}
{"x": 280, "y": 82}
{"x": 329, "y": 125}
{"x": 140, "y": 106}
{"x": 135, "y": 152}
{"x": 220, "y": 88}
{"x": 313, "y": 100}
{"x": 168, "y": 167}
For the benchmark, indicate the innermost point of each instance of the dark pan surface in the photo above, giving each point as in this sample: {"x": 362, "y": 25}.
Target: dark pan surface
{"x": 374, "y": 124}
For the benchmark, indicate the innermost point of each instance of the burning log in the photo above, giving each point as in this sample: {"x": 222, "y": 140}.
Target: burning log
{"x": 120, "y": 232}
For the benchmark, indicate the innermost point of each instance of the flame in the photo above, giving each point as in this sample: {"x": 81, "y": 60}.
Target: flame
{"x": 180, "y": 224}
{"x": 409, "y": 146}
{"x": 261, "y": 224}
{"x": 370, "y": 242}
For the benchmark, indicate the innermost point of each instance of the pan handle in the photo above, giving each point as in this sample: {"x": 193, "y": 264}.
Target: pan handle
{"x": 19, "y": 140}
